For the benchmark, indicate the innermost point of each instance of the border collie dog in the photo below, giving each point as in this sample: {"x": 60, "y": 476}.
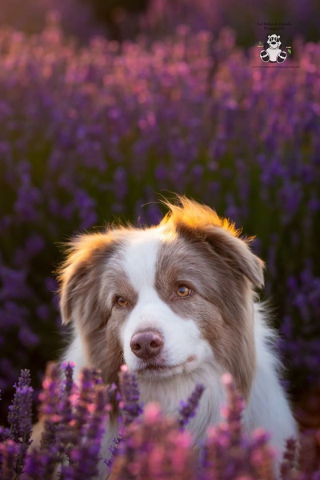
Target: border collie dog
{"x": 176, "y": 303}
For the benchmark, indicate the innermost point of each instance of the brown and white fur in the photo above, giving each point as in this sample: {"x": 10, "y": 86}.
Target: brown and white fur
{"x": 217, "y": 327}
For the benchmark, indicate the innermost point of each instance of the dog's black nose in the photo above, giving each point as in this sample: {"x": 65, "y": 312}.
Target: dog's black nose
{"x": 147, "y": 344}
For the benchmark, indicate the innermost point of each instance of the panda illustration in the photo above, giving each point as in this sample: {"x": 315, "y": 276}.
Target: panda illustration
{"x": 272, "y": 51}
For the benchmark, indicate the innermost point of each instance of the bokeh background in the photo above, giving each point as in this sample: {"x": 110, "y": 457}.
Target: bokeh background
{"x": 104, "y": 104}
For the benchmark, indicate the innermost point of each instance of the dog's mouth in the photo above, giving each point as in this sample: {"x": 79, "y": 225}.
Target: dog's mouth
{"x": 157, "y": 367}
{"x": 162, "y": 366}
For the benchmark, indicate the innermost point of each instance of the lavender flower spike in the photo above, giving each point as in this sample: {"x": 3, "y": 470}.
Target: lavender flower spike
{"x": 9, "y": 451}
{"x": 187, "y": 409}
{"x": 19, "y": 418}
{"x": 234, "y": 409}
{"x": 128, "y": 397}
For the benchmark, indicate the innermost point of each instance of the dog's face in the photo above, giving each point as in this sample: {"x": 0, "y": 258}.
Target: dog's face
{"x": 165, "y": 300}
{"x": 274, "y": 41}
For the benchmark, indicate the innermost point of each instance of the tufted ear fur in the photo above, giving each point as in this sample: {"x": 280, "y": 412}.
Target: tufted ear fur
{"x": 220, "y": 234}
{"x": 236, "y": 252}
{"x": 80, "y": 275}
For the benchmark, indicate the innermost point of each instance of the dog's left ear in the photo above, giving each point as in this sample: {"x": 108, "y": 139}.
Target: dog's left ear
{"x": 194, "y": 218}
{"x": 236, "y": 252}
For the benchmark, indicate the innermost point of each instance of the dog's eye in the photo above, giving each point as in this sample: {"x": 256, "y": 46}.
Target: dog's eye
{"x": 183, "y": 291}
{"x": 122, "y": 302}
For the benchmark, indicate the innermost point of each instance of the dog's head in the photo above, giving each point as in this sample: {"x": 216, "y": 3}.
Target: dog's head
{"x": 165, "y": 300}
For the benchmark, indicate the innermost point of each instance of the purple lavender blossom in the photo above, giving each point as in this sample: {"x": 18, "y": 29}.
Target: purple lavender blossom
{"x": 153, "y": 445}
{"x": 128, "y": 398}
{"x": 19, "y": 418}
{"x": 289, "y": 459}
{"x": 188, "y": 409}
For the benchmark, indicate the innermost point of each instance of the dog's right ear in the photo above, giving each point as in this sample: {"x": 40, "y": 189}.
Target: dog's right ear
{"x": 80, "y": 274}
{"x": 72, "y": 276}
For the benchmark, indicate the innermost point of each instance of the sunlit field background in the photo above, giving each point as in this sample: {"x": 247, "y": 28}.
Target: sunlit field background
{"x": 104, "y": 105}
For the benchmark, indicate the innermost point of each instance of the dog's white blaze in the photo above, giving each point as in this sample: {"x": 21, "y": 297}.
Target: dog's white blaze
{"x": 140, "y": 257}
{"x": 181, "y": 335}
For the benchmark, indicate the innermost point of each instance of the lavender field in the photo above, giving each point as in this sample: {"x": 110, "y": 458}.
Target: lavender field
{"x": 148, "y": 446}
{"x": 93, "y": 129}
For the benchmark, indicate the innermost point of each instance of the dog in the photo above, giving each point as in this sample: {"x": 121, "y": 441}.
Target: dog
{"x": 176, "y": 303}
